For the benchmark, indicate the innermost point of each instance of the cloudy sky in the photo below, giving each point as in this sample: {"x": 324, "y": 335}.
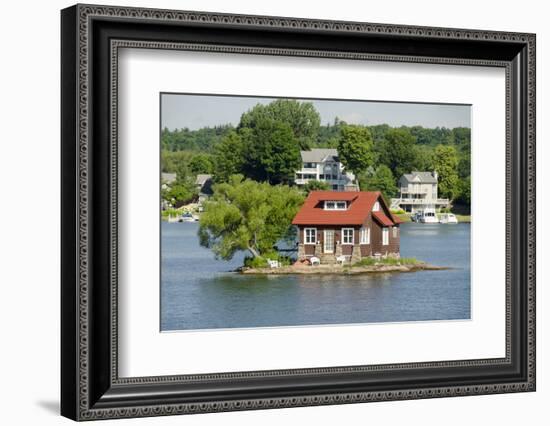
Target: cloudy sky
{"x": 196, "y": 111}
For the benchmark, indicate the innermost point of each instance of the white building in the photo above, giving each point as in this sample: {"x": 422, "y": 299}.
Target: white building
{"x": 323, "y": 164}
{"x": 418, "y": 191}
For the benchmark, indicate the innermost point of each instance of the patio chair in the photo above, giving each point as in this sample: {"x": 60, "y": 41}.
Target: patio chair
{"x": 314, "y": 260}
{"x": 273, "y": 263}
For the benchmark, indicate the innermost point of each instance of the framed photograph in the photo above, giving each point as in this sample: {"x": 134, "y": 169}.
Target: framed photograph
{"x": 263, "y": 212}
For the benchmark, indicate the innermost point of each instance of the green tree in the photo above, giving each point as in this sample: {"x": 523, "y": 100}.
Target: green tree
{"x": 382, "y": 180}
{"x": 179, "y": 194}
{"x": 229, "y": 157}
{"x": 201, "y": 163}
{"x": 355, "y": 148}
{"x": 446, "y": 165}
{"x": 183, "y": 190}
{"x": 272, "y": 153}
{"x": 316, "y": 185}
{"x": 302, "y": 118}
{"x": 171, "y": 161}
{"x": 244, "y": 215}
{"x": 398, "y": 152}
{"x": 465, "y": 191}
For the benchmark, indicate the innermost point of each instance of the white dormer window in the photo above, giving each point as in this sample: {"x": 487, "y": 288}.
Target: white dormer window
{"x": 335, "y": 205}
{"x": 376, "y": 207}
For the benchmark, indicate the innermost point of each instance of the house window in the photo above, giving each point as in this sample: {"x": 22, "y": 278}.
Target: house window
{"x": 310, "y": 235}
{"x": 364, "y": 236}
{"x": 335, "y": 205}
{"x": 385, "y": 236}
{"x": 394, "y": 231}
{"x": 376, "y": 207}
{"x": 347, "y": 235}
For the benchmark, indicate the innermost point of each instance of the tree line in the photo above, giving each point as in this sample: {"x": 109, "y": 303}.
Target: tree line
{"x": 265, "y": 147}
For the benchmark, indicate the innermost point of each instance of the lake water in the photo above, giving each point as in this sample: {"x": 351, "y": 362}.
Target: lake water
{"x": 199, "y": 292}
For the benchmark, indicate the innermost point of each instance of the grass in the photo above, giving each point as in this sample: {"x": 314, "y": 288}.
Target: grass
{"x": 405, "y": 217}
{"x": 261, "y": 262}
{"x": 170, "y": 212}
{"x": 371, "y": 261}
{"x": 463, "y": 218}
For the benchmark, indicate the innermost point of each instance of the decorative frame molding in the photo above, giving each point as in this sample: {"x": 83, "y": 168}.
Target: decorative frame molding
{"x": 91, "y": 37}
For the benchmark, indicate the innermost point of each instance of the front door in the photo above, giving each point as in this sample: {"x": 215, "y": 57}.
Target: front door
{"x": 328, "y": 246}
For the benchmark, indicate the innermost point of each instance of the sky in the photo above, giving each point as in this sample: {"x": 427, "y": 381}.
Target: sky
{"x": 196, "y": 111}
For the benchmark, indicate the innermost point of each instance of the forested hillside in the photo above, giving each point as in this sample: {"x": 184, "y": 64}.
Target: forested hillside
{"x": 265, "y": 147}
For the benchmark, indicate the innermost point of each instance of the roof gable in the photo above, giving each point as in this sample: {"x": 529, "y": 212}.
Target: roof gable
{"x": 422, "y": 177}
{"x": 319, "y": 155}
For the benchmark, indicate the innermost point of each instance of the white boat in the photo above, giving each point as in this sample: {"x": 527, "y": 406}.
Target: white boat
{"x": 447, "y": 218}
{"x": 428, "y": 216}
{"x": 187, "y": 217}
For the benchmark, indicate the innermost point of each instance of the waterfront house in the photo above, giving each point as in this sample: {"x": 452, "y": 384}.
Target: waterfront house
{"x": 358, "y": 224}
{"x": 203, "y": 183}
{"x": 418, "y": 192}
{"x": 323, "y": 164}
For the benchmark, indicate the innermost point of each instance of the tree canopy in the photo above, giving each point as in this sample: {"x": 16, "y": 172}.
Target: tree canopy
{"x": 355, "y": 148}
{"x": 397, "y": 151}
{"x": 272, "y": 152}
{"x": 316, "y": 185}
{"x": 229, "y": 157}
{"x": 446, "y": 165}
{"x": 246, "y": 215}
{"x": 302, "y": 118}
{"x": 381, "y": 180}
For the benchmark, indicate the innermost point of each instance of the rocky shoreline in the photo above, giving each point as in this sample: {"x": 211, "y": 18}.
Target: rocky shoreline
{"x": 339, "y": 269}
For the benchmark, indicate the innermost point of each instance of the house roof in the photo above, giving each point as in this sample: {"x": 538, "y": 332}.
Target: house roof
{"x": 422, "y": 177}
{"x": 202, "y": 179}
{"x": 319, "y": 155}
{"x": 360, "y": 205}
{"x": 382, "y": 219}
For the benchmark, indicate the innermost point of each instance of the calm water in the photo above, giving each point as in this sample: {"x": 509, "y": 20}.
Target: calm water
{"x": 199, "y": 292}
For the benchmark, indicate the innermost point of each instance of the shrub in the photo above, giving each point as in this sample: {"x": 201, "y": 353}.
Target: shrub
{"x": 398, "y": 211}
{"x": 366, "y": 261}
{"x": 261, "y": 262}
{"x": 255, "y": 262}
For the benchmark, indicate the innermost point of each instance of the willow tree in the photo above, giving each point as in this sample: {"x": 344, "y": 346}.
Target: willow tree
{"x": 245, "y": 215}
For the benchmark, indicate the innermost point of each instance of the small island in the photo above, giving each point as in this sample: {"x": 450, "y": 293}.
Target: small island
{"x": 366, "y": 266}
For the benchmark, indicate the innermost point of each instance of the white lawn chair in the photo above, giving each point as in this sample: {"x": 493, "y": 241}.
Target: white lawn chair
{"x": 273, "y": 263}
{"x": 341, "y": 259}
{"x": 314, "y": 260}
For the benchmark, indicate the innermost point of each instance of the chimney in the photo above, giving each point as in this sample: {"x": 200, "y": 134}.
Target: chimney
{"x": 434, "y": 174}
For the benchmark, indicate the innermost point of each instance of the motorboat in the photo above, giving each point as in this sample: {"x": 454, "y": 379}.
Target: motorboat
{"x": 447, "y": 218}
{"x": 428, "y": 216}
{"x": 187, "y": 217}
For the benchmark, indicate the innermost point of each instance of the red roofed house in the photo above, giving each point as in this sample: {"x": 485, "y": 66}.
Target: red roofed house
{"x": 353, "y": 224}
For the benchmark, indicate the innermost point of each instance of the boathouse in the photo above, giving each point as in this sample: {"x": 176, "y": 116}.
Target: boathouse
{"x": 355, "y": 225}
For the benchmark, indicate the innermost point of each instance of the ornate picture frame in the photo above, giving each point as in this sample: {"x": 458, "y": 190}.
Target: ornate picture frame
{"x": 91, "y": 386}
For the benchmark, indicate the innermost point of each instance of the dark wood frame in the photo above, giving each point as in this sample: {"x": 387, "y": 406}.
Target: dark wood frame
{"x": 90, "y": 386}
